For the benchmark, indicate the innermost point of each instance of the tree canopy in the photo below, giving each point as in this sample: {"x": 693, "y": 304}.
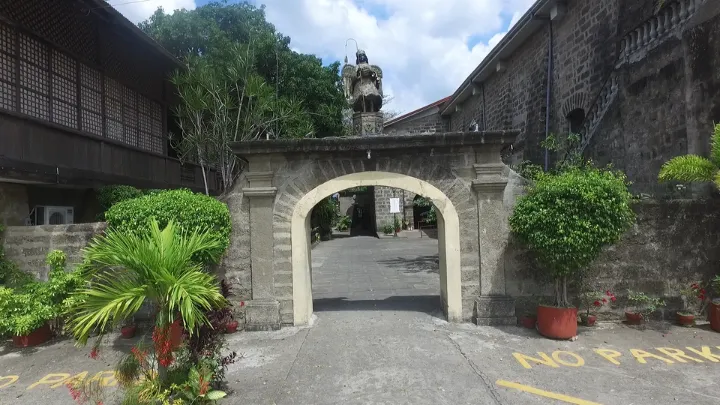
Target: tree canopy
{"x": 214, "y": 30}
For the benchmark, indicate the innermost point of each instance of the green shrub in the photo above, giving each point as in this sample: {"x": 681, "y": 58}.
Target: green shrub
{"x": 188, "y": 210}
{"x": 108, "y": 196}
{"x": 343, "y": 223}
{"x": 388, "y": 229}
{"x": 28, "y": 306}
{"x": 566, "y": 219}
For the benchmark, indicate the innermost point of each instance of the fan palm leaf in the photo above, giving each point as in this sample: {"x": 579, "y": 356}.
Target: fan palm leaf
{"x": 127, "y": 270}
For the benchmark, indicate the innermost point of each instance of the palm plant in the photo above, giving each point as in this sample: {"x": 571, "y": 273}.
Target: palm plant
{"x": 128, "y": 269}
{"x": 694, "y": 168}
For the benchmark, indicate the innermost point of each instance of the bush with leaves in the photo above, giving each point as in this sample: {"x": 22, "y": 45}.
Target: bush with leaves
{"x": 108, "y": 196}
{"x": 694, "y": 168}
{"x": 32, "y": 303}
{"x": 566, "y": 219}
{"x": 323, "y": 216}
{"x": 189, "y": 211}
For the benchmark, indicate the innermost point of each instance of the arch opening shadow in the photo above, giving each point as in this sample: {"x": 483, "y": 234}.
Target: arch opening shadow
{"x": 448, "y": 238}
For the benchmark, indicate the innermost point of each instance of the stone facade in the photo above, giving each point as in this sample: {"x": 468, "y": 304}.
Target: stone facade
{"x": 27, "y": 246}
{"x": 637, "y": 82}
{"x": 427, "y": 123}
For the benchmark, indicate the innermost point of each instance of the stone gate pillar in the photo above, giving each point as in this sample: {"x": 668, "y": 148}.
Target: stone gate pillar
{"x": 493, "y": 306}
{"x": 263, "y": 311}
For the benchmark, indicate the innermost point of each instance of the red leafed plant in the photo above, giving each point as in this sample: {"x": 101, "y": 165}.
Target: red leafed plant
{"x": 694, "y": 298}
{"x": 594, "y": 300}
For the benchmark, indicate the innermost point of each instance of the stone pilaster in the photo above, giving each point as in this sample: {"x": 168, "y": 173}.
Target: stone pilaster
{"x": 493, "y": 306}
{"x": 263, "y": 311}
{"x": 367, "y": 123}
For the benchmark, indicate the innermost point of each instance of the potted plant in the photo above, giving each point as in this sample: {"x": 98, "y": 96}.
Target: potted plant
{"x": 642, "y": 306}
{"x": 129, "y": 329}
{"x": 25, "y": 317}
{"x": 593, "y": 301}
{"x": 693, "y": 299}
{"x": 565, "y": 220}
{"x": 714, "y": 310}
{"x": 528, "y": 320}
{"x": 397, "y": 225}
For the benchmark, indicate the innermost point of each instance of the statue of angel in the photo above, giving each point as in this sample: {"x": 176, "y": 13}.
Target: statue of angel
{"x": 363, "y": 84}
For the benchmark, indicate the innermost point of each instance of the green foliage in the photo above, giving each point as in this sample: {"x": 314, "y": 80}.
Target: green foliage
{"x": 126, "y": 269}
{"x": 643, "y": 303}
{"x": 388, "y": 229}
{"x": 397, "y": 224}
{"x": 693, "y": 168}
{"x": 211, "y": 30}
{"x": 715, "y": 285}
{"x": 343, "y": 223}
{"x": 189, "y": 211}
{"x": 10, "y": 274}
{"x": 32, "y": 303}
{"x": 108, "y": 196}
{"x": 431, "y": 214}
{"x": 528, "y": 170}
{"x": 323, "y": 216}
{"x": 567, "y": 218}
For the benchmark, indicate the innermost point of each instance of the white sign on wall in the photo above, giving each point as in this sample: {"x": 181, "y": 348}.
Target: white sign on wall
{"x": 394, "y": 205}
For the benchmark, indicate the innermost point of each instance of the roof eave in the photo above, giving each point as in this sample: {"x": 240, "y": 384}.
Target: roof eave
{"x": 527, "y": 24}
{"x": 135, "y": 30}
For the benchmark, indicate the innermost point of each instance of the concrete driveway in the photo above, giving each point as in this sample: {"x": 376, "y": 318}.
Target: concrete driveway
{"x": 398, "y": 350}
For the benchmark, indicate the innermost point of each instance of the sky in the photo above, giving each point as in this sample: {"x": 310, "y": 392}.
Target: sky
{"x": 426, "y": 48}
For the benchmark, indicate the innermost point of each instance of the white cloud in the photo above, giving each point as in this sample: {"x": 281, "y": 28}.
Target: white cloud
{"x": 421, "y": 45}
{"x": 137, "y": 11}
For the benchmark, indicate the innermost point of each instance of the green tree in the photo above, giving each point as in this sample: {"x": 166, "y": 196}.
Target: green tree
{"x": 694, "y": 168}
{"x": 127, "y": 270}
{"x": 210, "y": 31}
{"x": 567, "y": 218}
{"x": 224, "y": 101}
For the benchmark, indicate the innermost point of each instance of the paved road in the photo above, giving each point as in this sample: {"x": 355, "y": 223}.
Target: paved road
{"x": 396, "y": 349}
{"x": 364, "y": 268}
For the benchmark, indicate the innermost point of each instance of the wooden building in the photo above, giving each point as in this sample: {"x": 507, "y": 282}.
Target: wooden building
{"x": 84, "y": 102}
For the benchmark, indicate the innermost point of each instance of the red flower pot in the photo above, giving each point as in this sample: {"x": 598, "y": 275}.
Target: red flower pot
{"x": 685, "y": 319}
{"x": 127, "y": 332}
{"x": 633, "y": 318}
{"x": 36, "y": 337}
{"x": 557, "y": 323}
{"x": 231, "y": 327}
{"x": 588, "y": 320}
{"x": 528, "y": 321}
{"x": 714, "y": 316}
{"x": 176, "y": 332}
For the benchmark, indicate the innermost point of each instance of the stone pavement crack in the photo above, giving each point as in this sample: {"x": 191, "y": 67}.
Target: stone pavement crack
{"x": 282, "y": 386}
{"x": 489, "y": 385}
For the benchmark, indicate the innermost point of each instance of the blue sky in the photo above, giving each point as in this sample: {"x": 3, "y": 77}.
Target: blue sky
{"x": 426, "y": 48}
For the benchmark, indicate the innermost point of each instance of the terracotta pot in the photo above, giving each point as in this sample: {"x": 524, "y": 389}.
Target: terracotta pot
{"x": 714, "y": 316}
{"x": 127, "y": 332}
{"x": 36, "y": 337}
{"x": 528, "y": 321}
{"x": 231, "y": 327}
{"x": 176, "y": 332}
{"x": 685, "y": 319}
{"x": 557, "y": 323}
{"x": 633, "y": 318}
{"x": 588, "y": 320}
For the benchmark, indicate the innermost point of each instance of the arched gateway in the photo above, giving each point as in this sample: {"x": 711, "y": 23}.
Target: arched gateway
{"x": 269, "y": 256}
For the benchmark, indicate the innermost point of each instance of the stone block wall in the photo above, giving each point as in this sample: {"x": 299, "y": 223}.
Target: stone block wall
{"x": 27, "y": 246}
{"x": 672, "y": 244}
{"x": 382, "y": 205}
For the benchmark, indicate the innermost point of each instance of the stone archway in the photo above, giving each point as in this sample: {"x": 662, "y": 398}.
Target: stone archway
{"x": 462, "y": 174}
{"x": 449, "y": 238}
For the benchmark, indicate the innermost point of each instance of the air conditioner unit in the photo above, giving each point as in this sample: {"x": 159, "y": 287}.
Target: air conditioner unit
{"x": 52, "y": 215}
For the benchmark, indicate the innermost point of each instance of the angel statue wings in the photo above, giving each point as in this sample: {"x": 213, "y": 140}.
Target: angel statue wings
{"x": 363, "y": 84}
